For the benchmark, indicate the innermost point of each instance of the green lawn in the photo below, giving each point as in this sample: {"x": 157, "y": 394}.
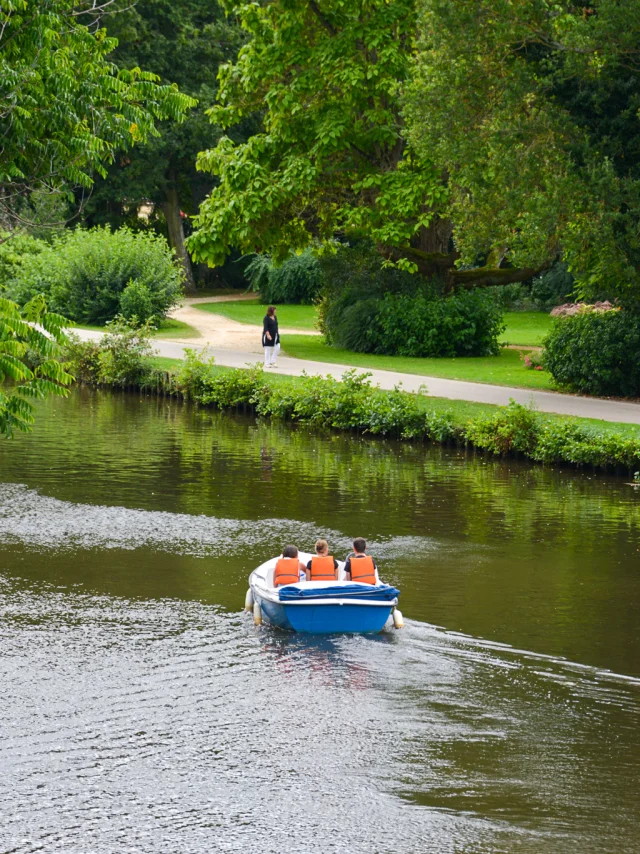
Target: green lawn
{"x": 505, "y": 369}
{"x": 525, "y": 327}
{"x": 168, "y": 328}
{"x": 252, "y": 312}
{"x": 460, "y": 410}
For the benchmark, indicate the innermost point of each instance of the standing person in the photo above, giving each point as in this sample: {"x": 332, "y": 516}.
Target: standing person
{"x": 270, "y": 337}
{"x": 360, "y": 566}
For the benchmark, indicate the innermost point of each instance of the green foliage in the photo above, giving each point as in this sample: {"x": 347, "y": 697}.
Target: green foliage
{"x": 191, "y": 381}
{"x": 136, "y": 302}
{"x": 184, "y": 42}
{"x": 368, "y": 308}
{"x": 84, "y": 273}
{"x": 120, "y": 358}
{"x": 554, "y": 287}
{"x": 531, "y": 110}
{"x": 297, "y": 281}
{"x": 465, "y": 323}
{"x": 29, "y": 360}
{"x": 513, "y": 428}
{"x": 14, "y": 250}
{"x": 596, "y": 353}
{"x": 352, "y": 405}
{"x": 332, "y": 157}
{"x": 66, "y": 108}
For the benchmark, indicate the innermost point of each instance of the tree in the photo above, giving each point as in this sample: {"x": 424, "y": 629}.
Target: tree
{"x": 531, "y": 111}
{"x": 22, "y": 340}
{"x": 65, "y": 108}
{"x": 332, "y": 158}
{"x": 184, "y": 42}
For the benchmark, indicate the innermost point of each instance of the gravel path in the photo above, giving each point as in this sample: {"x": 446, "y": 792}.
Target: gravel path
{"x": 221, "y": 332}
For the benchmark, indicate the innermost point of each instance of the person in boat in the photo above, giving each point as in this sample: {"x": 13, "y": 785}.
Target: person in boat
{"x": 359, "y": 566}
{"x": 322, "y": 567}
{"x": 289, "y": 568}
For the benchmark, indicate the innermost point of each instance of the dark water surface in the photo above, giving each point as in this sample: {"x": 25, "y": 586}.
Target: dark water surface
{"x": 141, "y": 711}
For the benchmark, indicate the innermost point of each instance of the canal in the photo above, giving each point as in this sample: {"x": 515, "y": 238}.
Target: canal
{"x": 142, "y": 711}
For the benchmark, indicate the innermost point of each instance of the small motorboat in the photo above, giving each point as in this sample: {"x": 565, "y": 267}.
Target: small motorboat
{"x": 321, "y": 607}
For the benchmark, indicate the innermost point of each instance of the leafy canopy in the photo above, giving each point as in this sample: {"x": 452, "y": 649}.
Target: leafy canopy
{"x": 493, "y": 136}
{"x": 31, "y": 334}
{"x": 531, "y": 111}
{"x": 331, "y": 157}
{"x": 65, "y": 108}
{"x": 183, "y": 41}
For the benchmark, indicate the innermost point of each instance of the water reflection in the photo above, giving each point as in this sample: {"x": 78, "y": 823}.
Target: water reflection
{"x": 141, "y": 710}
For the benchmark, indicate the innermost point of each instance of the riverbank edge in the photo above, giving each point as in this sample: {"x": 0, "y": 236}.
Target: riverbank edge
{"x": 354, "y": 405}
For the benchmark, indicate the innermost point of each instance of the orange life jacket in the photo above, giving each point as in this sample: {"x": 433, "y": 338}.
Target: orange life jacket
{"x": 362, "y": 569}
{"x": 322, "y": 569}
{"x": 286, "y": 571}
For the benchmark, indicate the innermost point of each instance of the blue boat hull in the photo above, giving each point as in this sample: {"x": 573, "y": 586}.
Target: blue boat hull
{"x": 327, "y": 619}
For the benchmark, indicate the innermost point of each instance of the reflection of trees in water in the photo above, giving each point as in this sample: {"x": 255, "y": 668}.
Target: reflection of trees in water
{"x": 237, "y": 467}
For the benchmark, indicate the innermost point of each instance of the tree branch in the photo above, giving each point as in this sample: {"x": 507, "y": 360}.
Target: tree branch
{"x": 326, "y": 23}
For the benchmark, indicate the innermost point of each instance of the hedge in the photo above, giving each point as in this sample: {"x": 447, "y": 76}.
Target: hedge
{"x": 353, "y": 404}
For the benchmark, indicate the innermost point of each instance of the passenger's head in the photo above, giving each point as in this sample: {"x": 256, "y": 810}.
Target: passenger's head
{"x": 359, "y": 545}
{"x": 289, "y": 551}
{"x": 271, "y": 310}
{"x": 322, "y": 547}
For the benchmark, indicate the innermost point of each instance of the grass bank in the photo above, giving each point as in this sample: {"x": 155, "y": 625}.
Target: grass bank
{"x": 351, "y": 405}
{"x": 459, "y": 411}
{"x": 168, "y": 328}
{"x": 252, "y": 312}
{"x": 507, "y": 368}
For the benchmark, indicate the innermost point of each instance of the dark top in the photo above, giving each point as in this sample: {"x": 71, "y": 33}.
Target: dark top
{"x": 270, "y": 324}
{"x": 347, "y": 563}
{"x": 335, "y": 563}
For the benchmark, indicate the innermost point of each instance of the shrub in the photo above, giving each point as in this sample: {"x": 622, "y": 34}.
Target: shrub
{"x": 596, "y": 352}
{"x": 15, "y": 250}
{"x": 83, "y": 273}
{"x": 371, "y": 309}
{"x": 84, "y": 356}
{"x": 513, "y": 428}
{"x": 235, "y": 388}
{"x": 194, "y": 377}
{"x": 296, "y": 281}
{"x": 120, "y": 358}
{"x": 136, "y": 302}
{"x": 466, "y": 323}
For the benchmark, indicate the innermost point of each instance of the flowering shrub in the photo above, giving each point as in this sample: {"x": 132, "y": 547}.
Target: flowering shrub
{"x": 533, "y": 361}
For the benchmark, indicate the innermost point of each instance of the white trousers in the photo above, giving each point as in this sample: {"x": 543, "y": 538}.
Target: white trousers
{"x": 270, "y": 355}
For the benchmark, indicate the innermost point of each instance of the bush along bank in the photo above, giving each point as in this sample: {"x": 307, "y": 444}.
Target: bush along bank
{"x": 122, "y": 360}
{"x": 596, "y": 352}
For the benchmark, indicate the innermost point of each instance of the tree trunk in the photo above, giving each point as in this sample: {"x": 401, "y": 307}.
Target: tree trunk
{"x": 171, "y": 211}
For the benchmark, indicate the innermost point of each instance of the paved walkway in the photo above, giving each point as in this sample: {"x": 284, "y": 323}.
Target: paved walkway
{"x": 545, "y": 401}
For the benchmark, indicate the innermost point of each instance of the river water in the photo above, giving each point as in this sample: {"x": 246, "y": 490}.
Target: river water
{"x": 141, "y": 710}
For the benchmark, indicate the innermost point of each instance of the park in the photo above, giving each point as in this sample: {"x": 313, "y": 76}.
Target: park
{"x": 311, "y": 312}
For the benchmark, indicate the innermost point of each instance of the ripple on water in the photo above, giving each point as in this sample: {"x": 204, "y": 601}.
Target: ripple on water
{"x": 39, "y": 521}
{"x": 171, "y": 726}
